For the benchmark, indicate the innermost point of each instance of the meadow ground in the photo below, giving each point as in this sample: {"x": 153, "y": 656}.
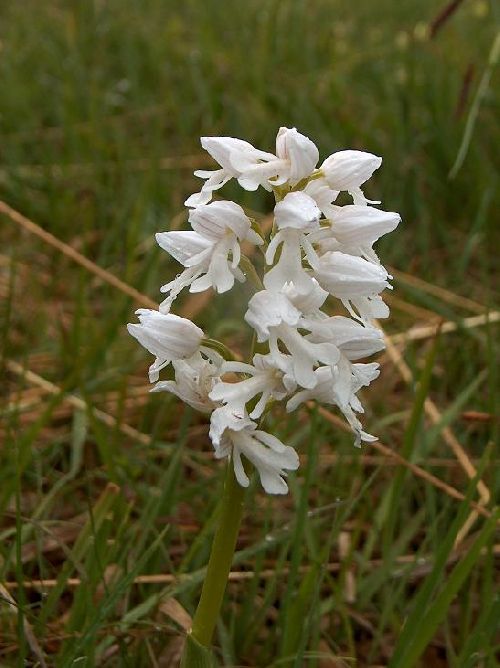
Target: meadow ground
{"x": 109, "y": 494}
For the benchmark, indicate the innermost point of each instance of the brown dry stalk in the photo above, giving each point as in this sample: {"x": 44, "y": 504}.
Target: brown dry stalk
{"x": 444, "y": 16}
{"x": 76, "y": 402}
{"x": 77, "y": 257}
{"x": 446, "y": 327}
{"x": 197, "y": 303}
{"x": 416, "y": 312}
{"x": 192, "y": 306}
{"x": 414, "y": 468}
{"x": 265, "y": 574}
{"x": 450, "y": 439}
{"x": 28, "y": 631}
{"x": 435, "y": 417}
{"x": 436, "y": 290}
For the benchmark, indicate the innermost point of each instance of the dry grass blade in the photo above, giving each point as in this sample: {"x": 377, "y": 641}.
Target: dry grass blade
{"x": 444, "y": 16}
{"x": 414, "y": 468}
{"x": 450, "y": 439}
{"x": 191, "y": 307}
{"x": 424, "y": 562}
{"x": 28, "y": 631}
{"x": 437, "y": 291}
{"x": 429, "y": 331}
{"x": 435, "y": 417}
{"x": 77, "y": 402}
{"x": 173, "y": 609}
{"x": 77, "y": 257}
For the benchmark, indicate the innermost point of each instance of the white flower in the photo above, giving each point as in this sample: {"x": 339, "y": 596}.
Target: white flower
{"x": 308, "y": 303}
{"x": 354, "y": 229}
{"x": 194, "y": 380}
{"x": 219, "y": 227}
{"x": 235, "y": 436}
{"x": 337, "y": 386}
{"x": 353, "y": 280}
{"x": 269, "y": 376}
{"x": 295, "y": 215}
{"x": 295, "y": 159}
{"x": 348, "y": 170}
{"x": 297, "y": 211}
{"x": 167, "y": 336}
{"x": 267, "y": 310}
{"x": 231, "y": 154}
{"x": 275, "y": 318}
{"x": 299, "y": 151}
{"x": 316, "y": 249}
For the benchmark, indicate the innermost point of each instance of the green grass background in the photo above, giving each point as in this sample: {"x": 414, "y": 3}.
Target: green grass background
{"x": 94, "y": 95}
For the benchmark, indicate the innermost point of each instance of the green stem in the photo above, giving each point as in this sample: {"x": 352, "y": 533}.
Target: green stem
{"x": 220, "y": 561}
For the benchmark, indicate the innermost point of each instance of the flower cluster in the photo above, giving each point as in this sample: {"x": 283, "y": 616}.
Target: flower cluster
{"x": 317, "y": 249}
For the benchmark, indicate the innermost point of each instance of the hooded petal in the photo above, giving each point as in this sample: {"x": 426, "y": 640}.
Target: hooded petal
{"x": 297, "y": 210}
{"x": 353, "y": 340}
{"x": 214, "y": 220}
{"x": 301, "y": 153}
{"x": 348, "y": 170}
{"x": 167, "y": 336}
{"x": 222, "y": 149}
{"x": 355, "y": 225}
{"x": 348, "y": 277}
{"x": 270, "y": 309}
{"x": 323, "y": 195}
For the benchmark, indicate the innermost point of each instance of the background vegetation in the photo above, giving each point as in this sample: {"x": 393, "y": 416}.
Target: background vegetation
{"x": 108, "y": 493}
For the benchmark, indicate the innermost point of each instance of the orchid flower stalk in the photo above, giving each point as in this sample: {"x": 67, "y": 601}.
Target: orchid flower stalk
{"x": 318, "y": 255}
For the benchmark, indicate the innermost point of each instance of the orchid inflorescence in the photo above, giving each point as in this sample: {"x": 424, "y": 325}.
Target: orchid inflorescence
{"x": 316, "y": 249}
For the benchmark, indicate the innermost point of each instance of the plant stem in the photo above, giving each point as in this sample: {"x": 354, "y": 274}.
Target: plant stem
{"x": 221, "y": 557}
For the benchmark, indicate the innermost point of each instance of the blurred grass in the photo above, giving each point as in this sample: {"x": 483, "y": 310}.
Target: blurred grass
{"x": 100, "y": 101}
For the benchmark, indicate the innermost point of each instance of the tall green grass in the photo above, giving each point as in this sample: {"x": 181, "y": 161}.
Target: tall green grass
{"x": 94, "y": 95}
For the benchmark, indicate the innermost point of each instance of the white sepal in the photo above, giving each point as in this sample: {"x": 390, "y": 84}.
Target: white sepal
{"x": 348, "y": 170}
{"x": 270, "y": 309}
{"x": 299, "y": 151}
{"x": 167, "y": 336}
{"x": 348, "y": 277}
{"x": 298, "y": 211}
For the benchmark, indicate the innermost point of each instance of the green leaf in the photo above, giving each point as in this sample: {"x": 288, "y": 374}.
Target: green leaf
{"x": 425, "y": 619}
